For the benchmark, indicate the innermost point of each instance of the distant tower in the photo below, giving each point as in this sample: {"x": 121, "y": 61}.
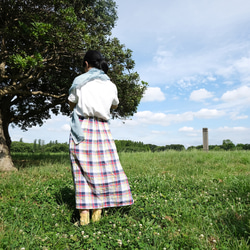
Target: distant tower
{"x": 205, "y": 139}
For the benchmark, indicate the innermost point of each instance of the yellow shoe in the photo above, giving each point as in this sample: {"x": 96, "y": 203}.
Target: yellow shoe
{"x": 96, "y": 216}
{"x": 84, "y": 218}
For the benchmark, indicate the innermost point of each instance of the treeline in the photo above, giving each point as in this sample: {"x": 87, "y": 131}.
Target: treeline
{"x": 227, "y": 145}
{"x": 130, "y": 146}
{"x": 121, "y": 145}
{"x": 38, "y": 146}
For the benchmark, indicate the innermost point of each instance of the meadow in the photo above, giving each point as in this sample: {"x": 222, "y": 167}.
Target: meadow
{"x": 183, "y": 200}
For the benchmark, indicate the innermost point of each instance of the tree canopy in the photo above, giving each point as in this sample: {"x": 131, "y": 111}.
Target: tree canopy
{"x": 42, "y": 44}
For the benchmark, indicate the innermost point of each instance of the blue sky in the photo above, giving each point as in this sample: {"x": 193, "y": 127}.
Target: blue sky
{"x": 195, "y": 55}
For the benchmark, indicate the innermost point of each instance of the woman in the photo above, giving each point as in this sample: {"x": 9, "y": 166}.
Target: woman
{"x": 98, "y": 175}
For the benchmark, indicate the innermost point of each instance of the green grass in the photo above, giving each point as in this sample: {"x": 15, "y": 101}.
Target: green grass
{"x": 183, "y": 200}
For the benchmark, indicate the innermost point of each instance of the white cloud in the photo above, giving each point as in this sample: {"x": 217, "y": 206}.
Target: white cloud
{"x": 241, "y": 94}
{"x": 188, "y": 16}
{"x": 209, "y": 113}
{"x": 66, "y": 127}
{"x": 211, "y": 79}
{"x": 235, "y": 116}
{"x": 232, "y": 129}
{"x": 158, "y": 132}
{"x": 148, "y": 117}
{"x": 198, "y": 38}
{"x": 239, "y": 68}
{"x": 186, "y": 129}
{"x": 200, "y": 95}
{"x": 243, "y": 65}
{"x": 153, "y": 94}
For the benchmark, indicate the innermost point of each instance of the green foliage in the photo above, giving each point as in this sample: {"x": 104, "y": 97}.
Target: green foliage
{"x": 38, "y": 147}
{"x": 40, "y": 29}
{"x": 59, "y": 147}
{"x": 121, "y": 145}
{"x": 130, "y": 146}
{"x": 42, "y": 46}
{"x": 183, "y": 200}
{"x": 23, "y": 61}
{"x": 228, "y": 145}
{"x": 21, "y": 147}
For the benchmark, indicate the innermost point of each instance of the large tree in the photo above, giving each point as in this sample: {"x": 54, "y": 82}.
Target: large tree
{"x": 42, "y": 43}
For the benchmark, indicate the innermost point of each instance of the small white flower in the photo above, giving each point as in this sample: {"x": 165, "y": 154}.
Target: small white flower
{"x": 82, "y": 232}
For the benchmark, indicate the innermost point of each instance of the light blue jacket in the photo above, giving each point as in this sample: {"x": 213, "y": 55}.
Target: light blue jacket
{"x": 92, "y": 74}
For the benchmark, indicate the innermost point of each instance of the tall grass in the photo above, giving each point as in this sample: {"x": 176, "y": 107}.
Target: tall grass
{"x": 183, "y": 200}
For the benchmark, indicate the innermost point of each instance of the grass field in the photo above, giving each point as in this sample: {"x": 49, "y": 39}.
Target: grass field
{"x": 183, "y": 200}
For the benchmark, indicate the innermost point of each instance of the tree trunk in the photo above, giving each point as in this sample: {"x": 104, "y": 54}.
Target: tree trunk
{"x": 6, "y": 163}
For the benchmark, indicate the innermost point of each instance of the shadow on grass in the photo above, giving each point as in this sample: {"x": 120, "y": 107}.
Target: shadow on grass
{"x": 67, "y": 196}
{"x": 26, "y": 160}
{"x": 236, "y": 223}
{"x": 118, "y": 210}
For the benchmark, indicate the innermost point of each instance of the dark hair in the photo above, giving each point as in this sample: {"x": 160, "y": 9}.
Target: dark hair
{"x": 96, "y": 60}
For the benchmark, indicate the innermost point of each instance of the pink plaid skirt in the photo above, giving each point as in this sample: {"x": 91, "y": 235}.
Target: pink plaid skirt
{"x": 97, "y": 172}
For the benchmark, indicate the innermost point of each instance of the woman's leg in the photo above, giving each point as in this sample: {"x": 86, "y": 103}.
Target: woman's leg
{"x": 84, "y": 217}
{"x": 96, "y": 215}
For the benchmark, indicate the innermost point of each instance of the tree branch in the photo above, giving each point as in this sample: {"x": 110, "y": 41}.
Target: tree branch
{"x": 32, "y": 113}
{"x": 29, "y": 93}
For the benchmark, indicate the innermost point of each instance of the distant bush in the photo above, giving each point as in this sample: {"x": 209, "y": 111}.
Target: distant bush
{"x": 122, "y": 146}
{"x": 38, "y": 146}
{"x": 19, "y": 146}
{"x": 60, "y": 147}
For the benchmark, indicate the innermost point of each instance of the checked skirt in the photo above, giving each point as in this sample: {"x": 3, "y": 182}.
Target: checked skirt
{"x": 97, "y": 172}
